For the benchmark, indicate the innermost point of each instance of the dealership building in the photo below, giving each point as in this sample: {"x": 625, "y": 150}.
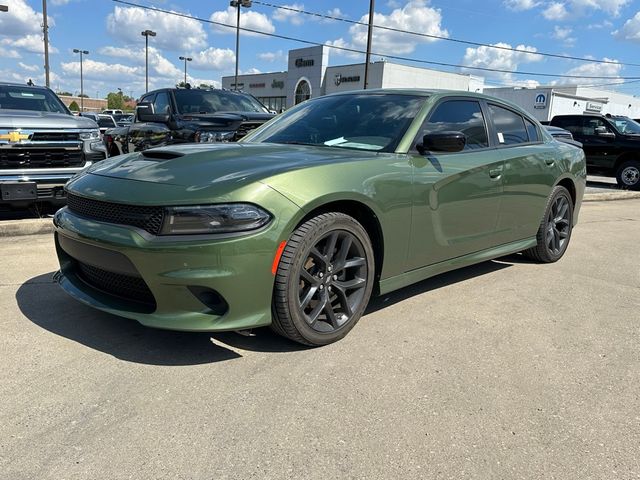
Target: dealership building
{"x": 309, "y": 75}
{"x": 546, "y": 102}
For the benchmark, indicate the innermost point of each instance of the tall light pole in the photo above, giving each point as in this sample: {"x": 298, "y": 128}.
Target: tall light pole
{"x": 186, "y": 59}
{"x": 81, "y": 52}
{"x": 45, "y": 30}
{"x": 146, "y": 34}
{"x": 238, "y": 4}
{"x": 369, "y": 35}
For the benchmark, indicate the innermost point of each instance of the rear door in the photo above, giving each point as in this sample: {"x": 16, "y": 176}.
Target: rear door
{"x": 457, "y": 196}
{"x": 531, "y": 168}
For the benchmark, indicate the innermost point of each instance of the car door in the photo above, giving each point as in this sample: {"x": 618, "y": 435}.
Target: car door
{"x": 456, "y": 196}
{"x": 144, "y": 135}
{"x": 531, "y": 168}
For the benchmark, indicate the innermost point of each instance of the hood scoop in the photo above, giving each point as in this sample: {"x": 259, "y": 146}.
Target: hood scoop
{"x": 161, "y": 154}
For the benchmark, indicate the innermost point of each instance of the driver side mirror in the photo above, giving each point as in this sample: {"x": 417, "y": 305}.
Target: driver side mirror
{"x": 145, "y": 113}
{"x": 603, "y": 132}
{"x": 442, "y": 142}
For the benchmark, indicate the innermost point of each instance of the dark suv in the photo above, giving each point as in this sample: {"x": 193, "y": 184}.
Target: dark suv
{"x": 611, "y": 144}
{"x": 183, "y": 115}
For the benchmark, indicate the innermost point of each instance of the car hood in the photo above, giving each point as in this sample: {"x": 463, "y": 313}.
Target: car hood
{"x": 27, "y": 119}
{"x": 199, "y": 166}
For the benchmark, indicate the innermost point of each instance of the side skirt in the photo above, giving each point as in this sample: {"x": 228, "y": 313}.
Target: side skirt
{"x": 399, "y": 281}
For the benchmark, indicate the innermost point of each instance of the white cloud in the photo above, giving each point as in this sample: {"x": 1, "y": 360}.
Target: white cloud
{"x": 248, "y": 19}
{"x": 60, "y": 2}
{"x": 415, "y": 16}
{"x": 630, "y": 30}
{"x": 520, "y": 5}
{"x": 174, "y": 33}
{"x": 555, "y": 11}
{"x": 272, "y": 56}
{"x": 214, "y": 59}
{"x": 594, "y": 70}
{"x": 92, "y": 69}
{"x": 251, "y": 71}
{"x": 612, "y": 7}
{"x": 508, "y": 60}
{"x": 564, "y": 35}
{"x": 295, "y": 18}
{"x": 20, "y": 20}
{"x": 31, "y": 43}
{"x": 29, "y": 68}
{"x": 158, "y": 64}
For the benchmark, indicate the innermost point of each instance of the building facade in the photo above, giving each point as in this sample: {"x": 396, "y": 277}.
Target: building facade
{"x": 90, "y": 104}
{"x": 309, "y": 75}
{"x": 546, "y": 102}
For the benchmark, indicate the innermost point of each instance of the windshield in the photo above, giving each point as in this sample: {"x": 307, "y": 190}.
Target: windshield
{"x": 14, "y": 97}
{"x": 212, "y": 101}
{"x": 625, "y": 125}
{"x": 357, "y": 121}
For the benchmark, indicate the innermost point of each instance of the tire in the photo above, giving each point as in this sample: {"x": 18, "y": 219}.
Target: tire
{"x": 324, "y": 280}
{"x": 628, "y": 175}
{"x": 555, "y": 229}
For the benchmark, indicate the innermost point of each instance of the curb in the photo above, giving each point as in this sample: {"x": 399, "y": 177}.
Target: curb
{"x": 17, "y": 228}
{"x": 609, "y": 196}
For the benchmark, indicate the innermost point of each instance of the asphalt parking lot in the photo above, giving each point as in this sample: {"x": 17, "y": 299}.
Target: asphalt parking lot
{"x": 507, "y": 369}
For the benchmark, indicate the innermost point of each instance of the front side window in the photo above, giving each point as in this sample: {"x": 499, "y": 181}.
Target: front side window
{"x": 458, "y": 116}
{"x": 161, "y": 103}
{"x": 509, "y": 126}
{"x": 593, "y": 123}
{"x": 374, "y": 122}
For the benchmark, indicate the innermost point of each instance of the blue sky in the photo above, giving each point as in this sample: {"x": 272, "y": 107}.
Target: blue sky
{"x": 598, "y": 29}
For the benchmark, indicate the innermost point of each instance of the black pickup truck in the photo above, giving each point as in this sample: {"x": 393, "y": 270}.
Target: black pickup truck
{"x": 184, "y": 115}
{"x": 611, "y": 144}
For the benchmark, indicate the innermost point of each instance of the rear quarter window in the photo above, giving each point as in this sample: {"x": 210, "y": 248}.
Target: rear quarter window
{"x": 510, "y": 127}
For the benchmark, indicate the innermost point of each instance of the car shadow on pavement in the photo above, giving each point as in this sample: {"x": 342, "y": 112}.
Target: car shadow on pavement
{"x": 45, "y": 304}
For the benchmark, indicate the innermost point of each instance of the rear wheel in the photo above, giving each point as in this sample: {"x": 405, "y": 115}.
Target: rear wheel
{"x": 324, "y": 280}
{"x": 555, "y": 229}
{"x": 628, "y": 175}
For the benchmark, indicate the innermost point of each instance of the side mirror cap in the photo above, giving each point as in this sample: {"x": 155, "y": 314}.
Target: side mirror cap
{"x": 603, "y": 132}
{"x": 145, "y": 113}
{"x": 443, "y": 142}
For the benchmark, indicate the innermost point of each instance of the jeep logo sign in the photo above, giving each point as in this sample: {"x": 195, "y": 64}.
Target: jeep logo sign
{"x": 340, "y": 79}
{"x": 541, "y": 101}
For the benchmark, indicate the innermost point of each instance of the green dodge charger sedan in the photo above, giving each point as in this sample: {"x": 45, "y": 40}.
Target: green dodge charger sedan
{"x": 296, "y": 226}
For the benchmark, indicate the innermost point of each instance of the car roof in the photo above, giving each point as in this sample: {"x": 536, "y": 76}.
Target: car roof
{"x": 23, "y": 85}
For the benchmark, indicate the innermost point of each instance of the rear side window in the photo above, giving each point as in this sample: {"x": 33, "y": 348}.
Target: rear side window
{"x": 458, "y": 116}
{"x": 532, "y": 131}
{"x": 509, "y": 126}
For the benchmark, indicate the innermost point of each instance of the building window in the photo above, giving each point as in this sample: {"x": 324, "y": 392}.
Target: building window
{"x": 303, "y": 92}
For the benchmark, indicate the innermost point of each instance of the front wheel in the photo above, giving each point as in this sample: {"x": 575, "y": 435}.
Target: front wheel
{"x": 628, "y": 175}
{"x": 324, "y": 280}
{"x": 555, "y": 229}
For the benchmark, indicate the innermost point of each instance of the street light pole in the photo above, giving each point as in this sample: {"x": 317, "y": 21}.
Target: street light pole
{"x": 238, "y": 4}
{"x": 81, "y": 52}
{"x": 186, "y": 59}
{"x": 369, "y": 35}
{"x": 146, "y": 34}
{"x": 45, "y": 30}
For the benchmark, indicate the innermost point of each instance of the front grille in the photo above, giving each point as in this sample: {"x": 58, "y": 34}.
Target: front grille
{"x": 39, "y": 158}
{"x": 246, "y": 127}
{"x": 124, "y": 286}
{"x": 55, "y": 137}
{"x": 146, "y": 218}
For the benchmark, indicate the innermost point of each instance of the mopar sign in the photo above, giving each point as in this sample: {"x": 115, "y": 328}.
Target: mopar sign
{"x": 541, "y": 101}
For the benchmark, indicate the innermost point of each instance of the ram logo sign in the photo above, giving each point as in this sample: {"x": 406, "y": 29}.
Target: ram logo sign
{"x": 541, "y": 101}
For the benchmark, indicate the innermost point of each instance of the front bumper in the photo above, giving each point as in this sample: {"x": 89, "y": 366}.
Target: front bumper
{"x": 238, "y": 269}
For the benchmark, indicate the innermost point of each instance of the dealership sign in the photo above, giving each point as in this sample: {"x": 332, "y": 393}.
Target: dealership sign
{"x": 339, "y": 79}
{"x": 277, "y": 84}
{"x": 301, "y": 62}
{"x": 541, "y": 101}
{"x": 593, "y": 107}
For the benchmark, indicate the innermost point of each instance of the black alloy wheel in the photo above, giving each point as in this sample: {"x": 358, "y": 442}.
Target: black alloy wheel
{"x": 555, "y": 229}
{"x": 324, "y": 280}
{"x": 628, "y": 175}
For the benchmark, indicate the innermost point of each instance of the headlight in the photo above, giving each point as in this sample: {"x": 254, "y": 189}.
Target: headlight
{"x": 213, "y": 137}
{"x": 223, "y": 218}
{"x": 90, "y": 135}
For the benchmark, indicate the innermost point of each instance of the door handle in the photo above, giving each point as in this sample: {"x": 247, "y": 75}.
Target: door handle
{"x": 495, "y": 172}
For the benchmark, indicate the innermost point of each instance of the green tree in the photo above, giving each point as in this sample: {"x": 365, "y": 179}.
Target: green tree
{"x": 115, "y": 100}
{"x": 66, "y": 94}
{"x": 74, "y": 106}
